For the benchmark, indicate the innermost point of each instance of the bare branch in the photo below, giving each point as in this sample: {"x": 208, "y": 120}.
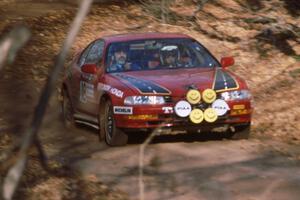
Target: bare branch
{"x": 158, "y": 9}
{"x": 200, "y": 4}
{"x": 163, "y": 11}
{"x": 42, "y": 156}
{"x": 143, "y": 146}
{"x": 13, "y": 177}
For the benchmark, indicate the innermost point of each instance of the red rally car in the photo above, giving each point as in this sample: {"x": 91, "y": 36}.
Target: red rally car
{"x": 145, "y": 81}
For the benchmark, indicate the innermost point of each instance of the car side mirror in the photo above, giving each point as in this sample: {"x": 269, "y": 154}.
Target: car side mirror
{"x": 227, "y": 61}
{"x": 89, "y": 68}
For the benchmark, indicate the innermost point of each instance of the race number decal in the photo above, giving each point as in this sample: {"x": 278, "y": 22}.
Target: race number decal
{"x": 86, "y": 91}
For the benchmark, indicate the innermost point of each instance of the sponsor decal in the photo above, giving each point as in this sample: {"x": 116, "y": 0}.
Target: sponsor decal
{"x": 239, "y": 106}
{"x": 102, "y": 86}
{"x": 116, "y": 92}
{"x": 220, "y": 106}
{"x": 112, "y": 90}
{"x": 86, "y": 91}
{"x": 123, "y": 110}
{"x": 183, "y": 108}
{"x": 224, "y": 81}
{"x": 168, "y": 110}
{"x": 143, "y": 86}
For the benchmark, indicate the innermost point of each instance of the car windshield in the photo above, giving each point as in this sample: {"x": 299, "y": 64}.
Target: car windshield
{"x": 153, "y": 54}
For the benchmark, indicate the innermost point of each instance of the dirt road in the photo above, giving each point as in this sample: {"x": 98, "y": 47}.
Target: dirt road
{"x": 183, "y": 166}
{"x": 179, "y": 166}
{"x": 199, "y": 170}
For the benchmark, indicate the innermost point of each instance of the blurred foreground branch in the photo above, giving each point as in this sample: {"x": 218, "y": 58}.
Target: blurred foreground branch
{"x": 10, "y": 45}
{"x": 12, "y": 179}
{"x": 143, "y": 146}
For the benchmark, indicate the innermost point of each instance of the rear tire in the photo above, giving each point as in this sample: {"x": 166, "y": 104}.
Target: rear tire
{"x": 108, "y": 130}
{"x": 241, "y": 132}
{"x": 67, "y": 111}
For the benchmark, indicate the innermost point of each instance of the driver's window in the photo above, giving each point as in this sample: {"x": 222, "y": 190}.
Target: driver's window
{"x": 95, "y": 54}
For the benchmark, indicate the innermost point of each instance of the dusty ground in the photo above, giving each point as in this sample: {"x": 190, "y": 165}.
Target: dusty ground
{"x": 264, "y": 38}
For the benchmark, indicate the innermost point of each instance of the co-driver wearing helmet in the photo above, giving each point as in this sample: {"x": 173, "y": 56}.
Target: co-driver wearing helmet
{"x": 169, "y": 56}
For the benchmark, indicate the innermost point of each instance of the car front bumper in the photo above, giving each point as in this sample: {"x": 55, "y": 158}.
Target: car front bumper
{"x": 147, "y": 117}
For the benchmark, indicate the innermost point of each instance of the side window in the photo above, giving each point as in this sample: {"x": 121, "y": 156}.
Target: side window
{"x": 95, "y": 54}
{"x": 82, "y": 58}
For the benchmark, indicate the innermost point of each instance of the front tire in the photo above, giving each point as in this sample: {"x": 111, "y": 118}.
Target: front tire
{"x": 241, "y": 132}
{"x": 113, "y": 136}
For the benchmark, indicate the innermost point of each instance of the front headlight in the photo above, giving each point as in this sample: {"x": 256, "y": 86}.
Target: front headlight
{"x": 236, "y": 95}
{"x": 144, "y": 100}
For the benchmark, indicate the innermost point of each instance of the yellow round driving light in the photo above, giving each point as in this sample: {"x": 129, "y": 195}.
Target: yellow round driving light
{"x": 210, "y": 115}
{"x": 193, "y": 96}
{"x": 196, "y": 116}
{"x": 209, "y": 96}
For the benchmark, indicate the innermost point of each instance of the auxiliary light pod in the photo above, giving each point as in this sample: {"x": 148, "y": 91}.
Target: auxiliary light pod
{"x": 196, "y": 115}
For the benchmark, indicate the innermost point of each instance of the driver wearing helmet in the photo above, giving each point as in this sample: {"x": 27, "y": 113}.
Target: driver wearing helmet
{"x": 169, "y": 56}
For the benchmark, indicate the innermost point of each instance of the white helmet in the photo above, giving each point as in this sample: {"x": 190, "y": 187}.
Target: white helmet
{"x": 170, "y": 50}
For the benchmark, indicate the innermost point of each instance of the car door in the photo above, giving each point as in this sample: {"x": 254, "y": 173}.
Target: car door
{"x": 87, "y": 99}
{"x": 76, "y": 74}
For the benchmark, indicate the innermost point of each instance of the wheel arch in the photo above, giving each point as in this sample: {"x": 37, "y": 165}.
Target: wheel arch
{"x": 105, "y": 97}
{"x": 66, "y": 88}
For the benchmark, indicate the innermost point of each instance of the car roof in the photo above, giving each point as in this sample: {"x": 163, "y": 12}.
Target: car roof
{"x": 140, "y": 36}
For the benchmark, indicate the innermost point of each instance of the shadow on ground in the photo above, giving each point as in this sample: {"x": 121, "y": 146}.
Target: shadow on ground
{"x": 140, "y": 137}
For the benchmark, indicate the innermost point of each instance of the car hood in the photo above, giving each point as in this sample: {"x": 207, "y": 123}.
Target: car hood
{"x": 177, "y": 82}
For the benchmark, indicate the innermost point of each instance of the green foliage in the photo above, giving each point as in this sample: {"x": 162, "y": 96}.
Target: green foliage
{"x": 295, "y": 73}
{"x": 297, "y": 57}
